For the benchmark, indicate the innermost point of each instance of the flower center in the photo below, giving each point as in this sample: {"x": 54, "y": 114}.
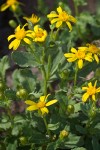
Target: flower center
{"x": 10, "y": 2}
{"x": 93, "y": 49}
{"x": 80, "y": 55}
{"x": 39, "y": 33}
{"x": 91, "y": 90}
{"x": 41, "y": 104}
{"x": 63, "y": 16}
{"x": 20, "y": 34}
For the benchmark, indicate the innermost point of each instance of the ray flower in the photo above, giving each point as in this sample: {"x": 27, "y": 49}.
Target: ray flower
{"x": 10, "y": 4}
{"x": 61, "y": 17}
{"x": 95, "y": 51}
{"x": 78, "y": 55}
{"x": 41, "y": 105}
{"x": 20, "y": 35}
{"x": 91, "y": 91}
{"x": 39, "y": 35}
{"x": 33, "y": 19}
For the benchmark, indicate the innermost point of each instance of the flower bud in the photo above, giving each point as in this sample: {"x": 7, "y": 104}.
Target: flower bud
{"x": 23, "y": 140}
{"x": 70, "y": 109}
{"x": 12, "y": 23}
{"x": 22, "y": 93}
{"x": 63, "y": 134}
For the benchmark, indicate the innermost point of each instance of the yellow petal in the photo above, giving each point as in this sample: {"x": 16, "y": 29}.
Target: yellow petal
{"x": 71, "y": 59}
{"x": 85, "y": 97}
{"x": 36, "y": 28}
{"x": 10, "y": 37}
{"x": 88, "y": 57}
{"x": 84, "y": 88}
{"x": 14, "y": 44}
{"x": 82, "y": 48}
{"x": 80, "y": 63}
{"x": 4, "y": 7}
{"x": 90, "y": 84}
{"x": 59, "y": 10}
{"x": 69, "y": 55}
{"x": 58, "y": 24}
{"x": 73, "y": 50}
{"x": 96, "y": 58}
{"x": 33, "y": 107}
{"x": 69, "y": 25}
{"x": 17, "y": 29}
{"x": 29, "y": 102}
{"x": 44, "y": 110}
{"x": 93, "y": 97}
{"x": 98, "y": 90}
{"x": 95, "y": 83}
{"x": 72, "y": 19}
{"x": 51, "y": 102}
{"x": 27, "y": 41}
{"x": 43, "y": 98}
{"x": 54, "y": 20}
{"x": 29, "y": 35}
{"x": 52, "y": 15}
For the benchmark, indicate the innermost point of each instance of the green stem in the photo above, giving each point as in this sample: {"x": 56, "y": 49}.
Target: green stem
{"x": 45, "y": 80}
{"x": 17, "y": 18}
{"x": 46, "y": 125}
{"x": 76, "y": 8}
{"x": 75, "y": 78}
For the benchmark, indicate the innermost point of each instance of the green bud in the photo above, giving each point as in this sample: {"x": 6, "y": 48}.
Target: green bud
{"x": 23, "y": 140}
{"x": 22, "y": 93}
{"x": 63, "y": 134}
{"x": 64, "y": 75}
{"x": 70, "y": 109}
{"x": 12, "y": 23}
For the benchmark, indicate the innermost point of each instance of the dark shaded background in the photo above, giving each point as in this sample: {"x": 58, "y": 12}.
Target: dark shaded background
{"x": 31, "y": 6}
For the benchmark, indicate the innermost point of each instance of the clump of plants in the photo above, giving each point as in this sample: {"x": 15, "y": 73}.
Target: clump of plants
{"x": 61, "y": 104}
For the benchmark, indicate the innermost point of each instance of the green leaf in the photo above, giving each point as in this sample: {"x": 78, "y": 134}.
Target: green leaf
{"x": 18, "y": 119}
{"x": 5, "y": 126}
{"x": 38, "y": 138}
{"x": 53, "y": 126}
{"x": 12, "y": 146}
{"x": 95, "y": 143}
{"x": 10, "y": 94}
{"x": 24, "y": 78}
{"x": 79, "y": 148}
{"x": 51, "y": 146}
{"x": 24, "y": 59}
{"x": 80, "y": 129}
{"x": 73, "y": 141}
{"x": 4, "y": 65}
{"x": 58, "y": 60}
{"x": 16, "y": 130}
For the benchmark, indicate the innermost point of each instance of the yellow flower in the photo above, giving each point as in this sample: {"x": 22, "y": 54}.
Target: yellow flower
{"x": 39, "y": 35}
{"x": 90, "y": 91}
{"x": 78, "y": 55}
{"x": 10, "y": 3}
{"x": 20, "y": 35}
{"x": 41, "y": 105}
{"x": 61, "y": 17}
{"x": 34, "y": 19}
{"x": 95, "y": 51}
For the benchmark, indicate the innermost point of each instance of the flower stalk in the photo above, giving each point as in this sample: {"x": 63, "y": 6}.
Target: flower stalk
{"x": 46, "y": 125}
{"x": 75, "y": 77}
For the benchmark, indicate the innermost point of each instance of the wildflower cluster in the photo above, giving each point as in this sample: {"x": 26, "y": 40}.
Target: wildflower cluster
{"x": 58, "y": 101}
